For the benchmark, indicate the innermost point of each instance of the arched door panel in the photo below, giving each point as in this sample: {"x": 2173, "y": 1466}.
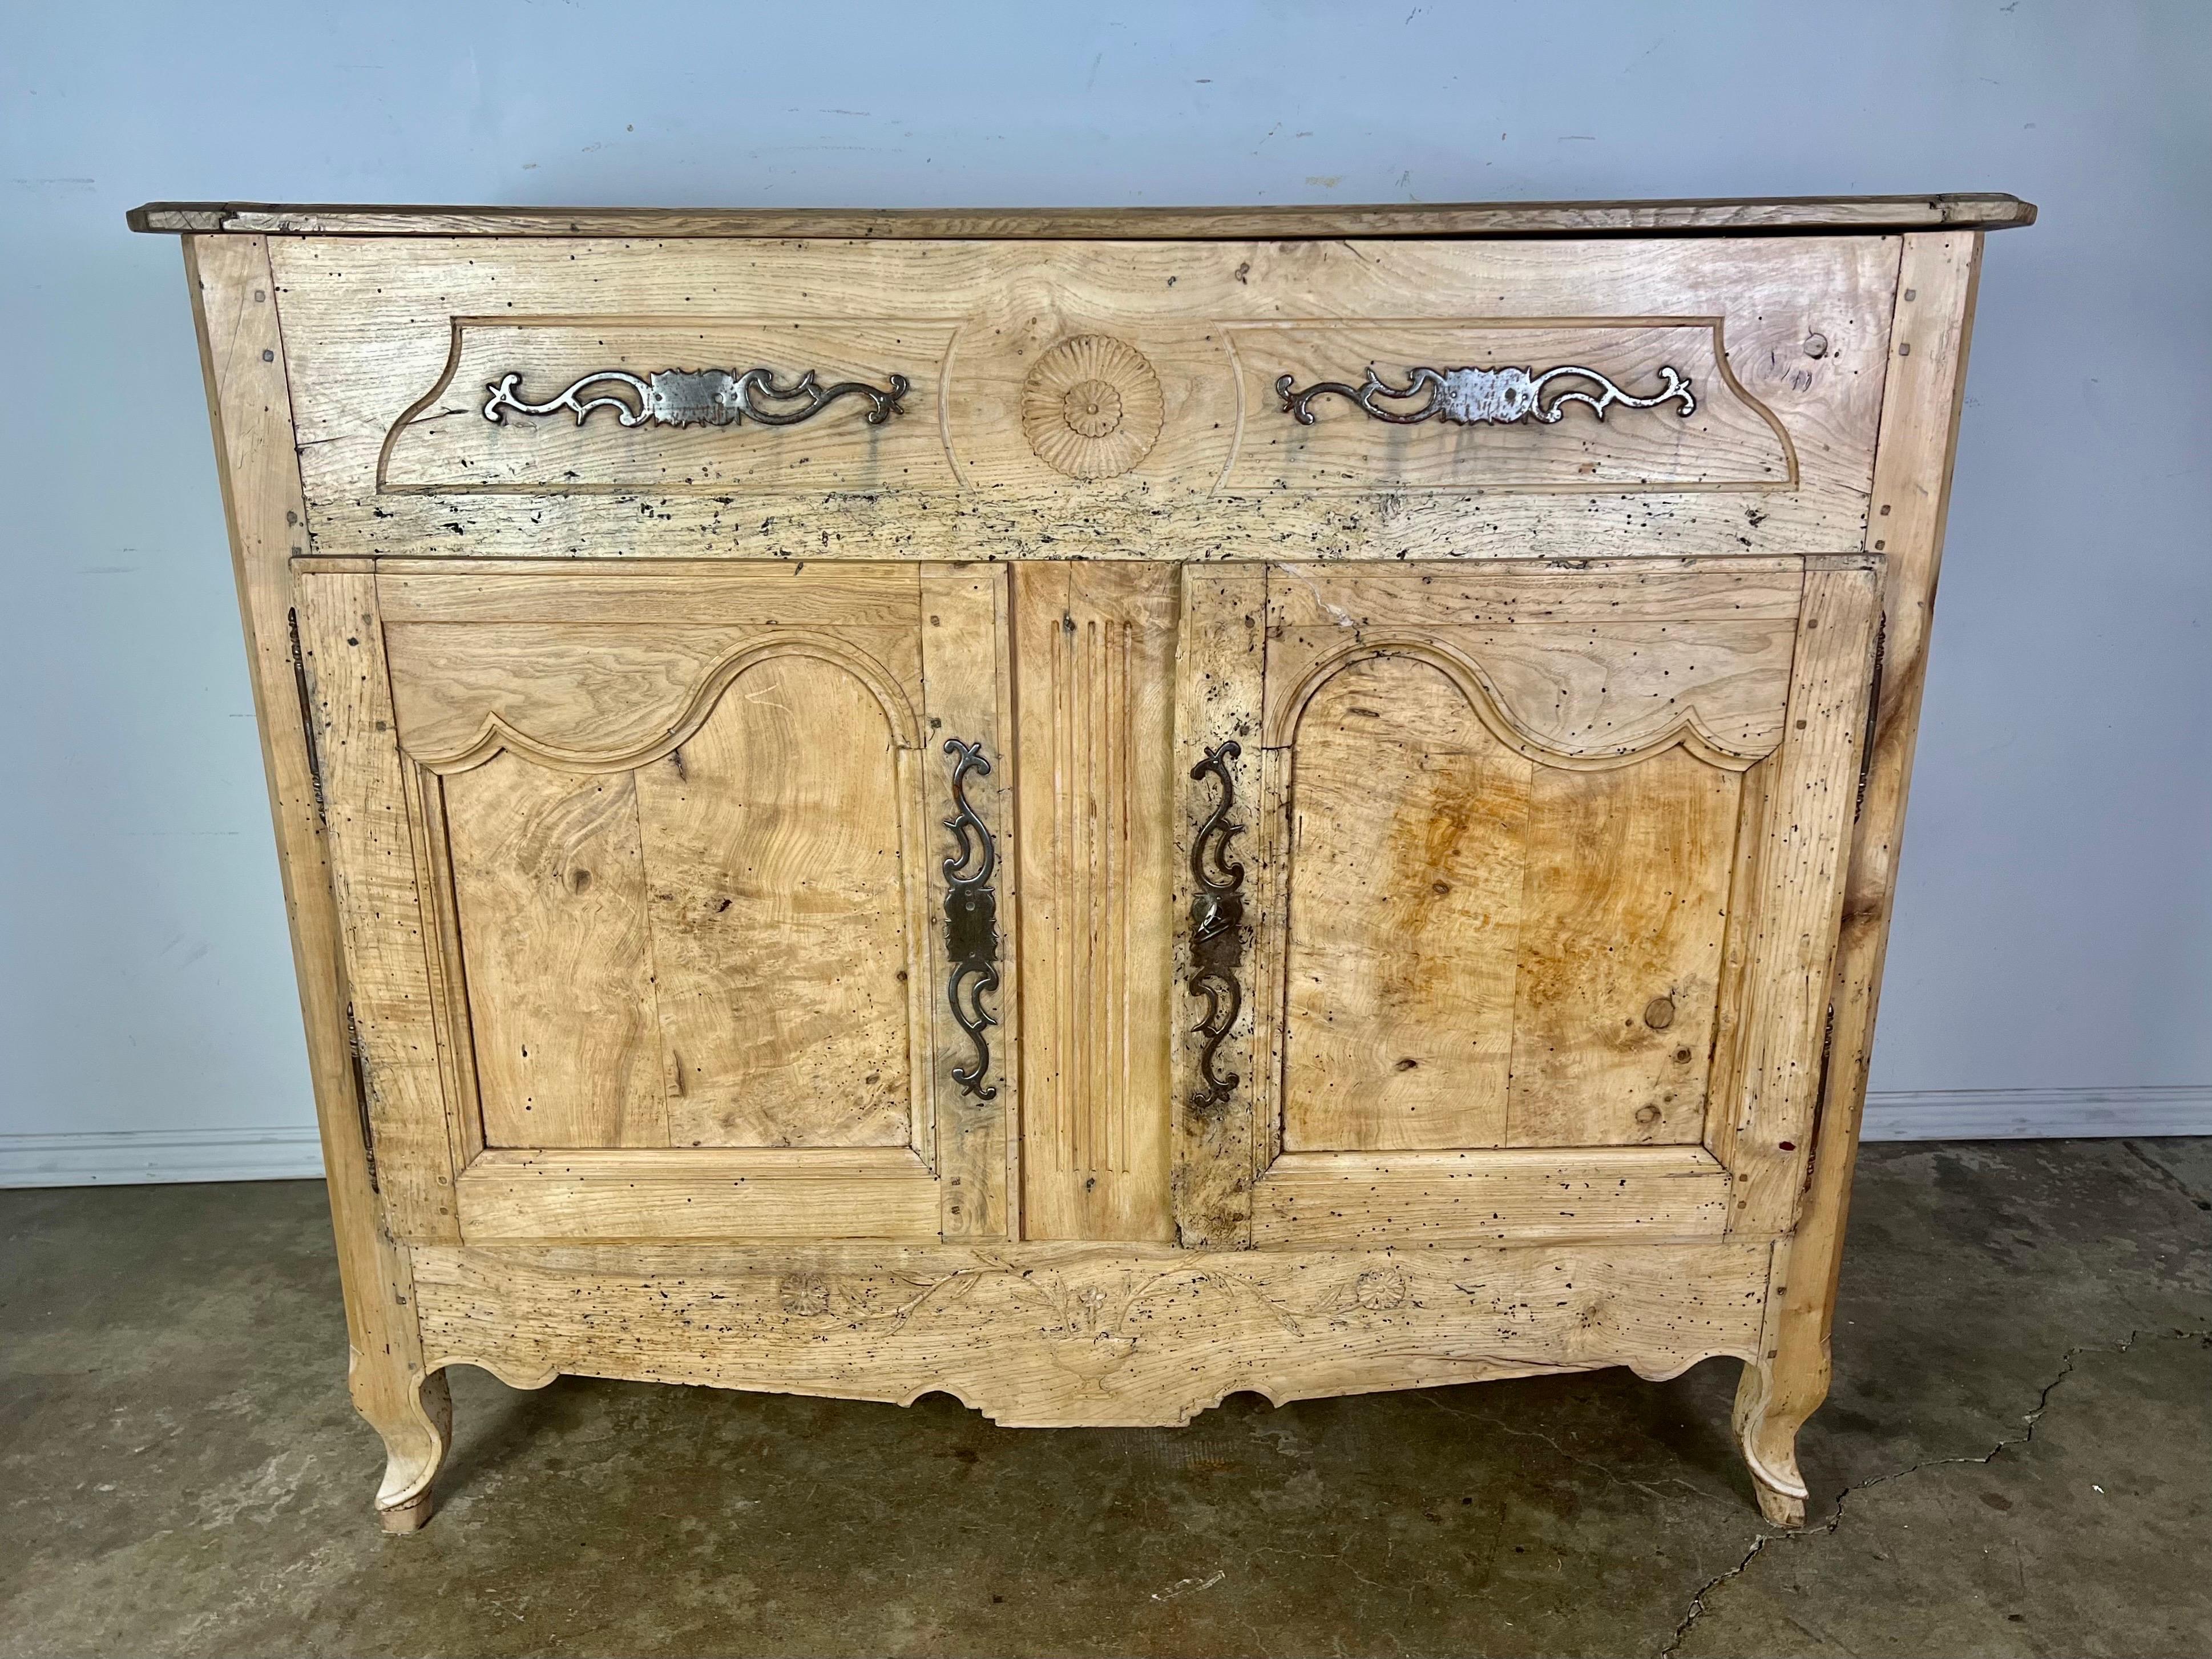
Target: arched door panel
{"x": 649, "y": 873}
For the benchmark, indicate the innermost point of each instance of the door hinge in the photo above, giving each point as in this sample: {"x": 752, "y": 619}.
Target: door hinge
{"x": 307, "y": 717}
{"x": 1874, "y": 716}
{"x": 361, "y": 1095}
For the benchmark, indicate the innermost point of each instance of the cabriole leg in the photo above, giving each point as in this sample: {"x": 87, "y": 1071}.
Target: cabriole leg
{"x": 415, "y": 1415}
{"x": 1772, "y": 1404}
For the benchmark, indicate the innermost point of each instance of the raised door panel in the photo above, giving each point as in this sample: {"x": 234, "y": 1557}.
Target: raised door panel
{"x": 681, "y": 862}
{"x": 1506, "y": 833}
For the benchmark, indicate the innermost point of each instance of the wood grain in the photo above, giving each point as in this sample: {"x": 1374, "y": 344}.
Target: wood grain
{"x": 1052, "y": 1336}
{"x": 549, "y": 883}
{"x": 1593, "y": 697}
{"x": 690, "y": 1194}
{"x": 1623, "y": 911}
{"x": 1804, "y": 846}
{"x": 1562, "y": 664}
{"x": 1990, "y": 210}
{"x": 1937, "y": 282}
{"x": 1527, "y": 592}
{"x": 774, "y": 838}
{"x": 1517, "y": 1194}
{"x": 249, "y": 409}
{"x": 371, "y": 327}
{"x": 609, "y": 696}
{"x": 964, "y": 619}
{"x": 1219, "y": 678}
{"x": 674, "y": 592}
{"x": 1408, "y": 829}
{"x": 379, "y": 884}
{"x": 1729, "y": 442}
{"x": 1551, "y": 739}
{"x": 444, "y": 446}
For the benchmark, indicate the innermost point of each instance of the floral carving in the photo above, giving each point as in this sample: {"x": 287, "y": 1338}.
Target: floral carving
{"x": 1381, "y": 1290}
{"x": 1091, "y": 407}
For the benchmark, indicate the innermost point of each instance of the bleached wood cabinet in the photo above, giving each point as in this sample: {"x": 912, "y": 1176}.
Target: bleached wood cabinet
{"x": 1088, "y": 811}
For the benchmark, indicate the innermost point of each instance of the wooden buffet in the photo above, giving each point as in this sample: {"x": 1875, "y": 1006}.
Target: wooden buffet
{"x": 1088, "y": 810}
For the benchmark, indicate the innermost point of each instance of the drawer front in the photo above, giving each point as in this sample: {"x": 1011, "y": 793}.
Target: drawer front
{"x": 1117, "y": 399}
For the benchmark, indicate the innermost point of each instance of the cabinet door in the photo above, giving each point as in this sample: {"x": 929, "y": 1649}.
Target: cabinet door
{"x": 669, "y": 894}
{"x": 1510, "y": 894}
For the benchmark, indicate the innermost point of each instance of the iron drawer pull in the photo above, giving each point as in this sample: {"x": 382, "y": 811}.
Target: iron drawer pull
{"x": 1481, "y": 396}
{"x": 701, "y": 396}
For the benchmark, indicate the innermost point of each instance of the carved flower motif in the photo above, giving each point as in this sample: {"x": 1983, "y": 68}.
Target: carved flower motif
{"x": 1380, "y": 1290}
{"x": 1091, "y": 407}
{"x": 803, "y": 1295}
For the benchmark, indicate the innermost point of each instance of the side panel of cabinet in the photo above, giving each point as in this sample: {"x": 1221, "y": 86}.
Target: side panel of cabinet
{"x": 678, "y": 855}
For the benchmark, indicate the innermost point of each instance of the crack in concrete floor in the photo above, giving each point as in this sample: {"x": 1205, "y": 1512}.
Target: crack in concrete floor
{"x": 1828, "y": 1527}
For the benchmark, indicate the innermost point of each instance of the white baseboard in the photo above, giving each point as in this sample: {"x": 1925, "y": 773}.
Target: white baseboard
{"x": 128, "y": 1158}
{"x": 2037, "y": 1114}
{"x": 142, "y": 1156}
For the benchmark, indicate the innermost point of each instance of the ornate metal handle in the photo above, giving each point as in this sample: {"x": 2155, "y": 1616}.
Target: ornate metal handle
{"x": 1481, "y": 396}
{"x": 1217, "y": 928}
{"x": 971, "y": 919}
{"x": 703, "y": 397}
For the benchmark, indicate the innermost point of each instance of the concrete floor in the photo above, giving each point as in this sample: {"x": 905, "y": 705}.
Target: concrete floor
{"x": 2017, "y": 1459}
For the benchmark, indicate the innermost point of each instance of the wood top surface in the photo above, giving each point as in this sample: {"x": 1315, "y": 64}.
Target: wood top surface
{"x": 1800, "y": 214}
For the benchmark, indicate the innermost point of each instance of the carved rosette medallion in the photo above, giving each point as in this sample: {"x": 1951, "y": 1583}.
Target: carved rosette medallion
{"x": 1091, "y": 407}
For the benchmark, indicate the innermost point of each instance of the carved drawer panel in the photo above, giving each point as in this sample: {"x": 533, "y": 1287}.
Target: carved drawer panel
{"x": 959, "y": 400}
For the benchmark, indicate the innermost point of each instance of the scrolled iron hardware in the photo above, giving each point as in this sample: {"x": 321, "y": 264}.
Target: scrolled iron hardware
{"x": 1482, "y": 397}
{"x": 703, "y": 396}
{"x": 971, "y": 919}
{"x": 1217, "y": 928}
